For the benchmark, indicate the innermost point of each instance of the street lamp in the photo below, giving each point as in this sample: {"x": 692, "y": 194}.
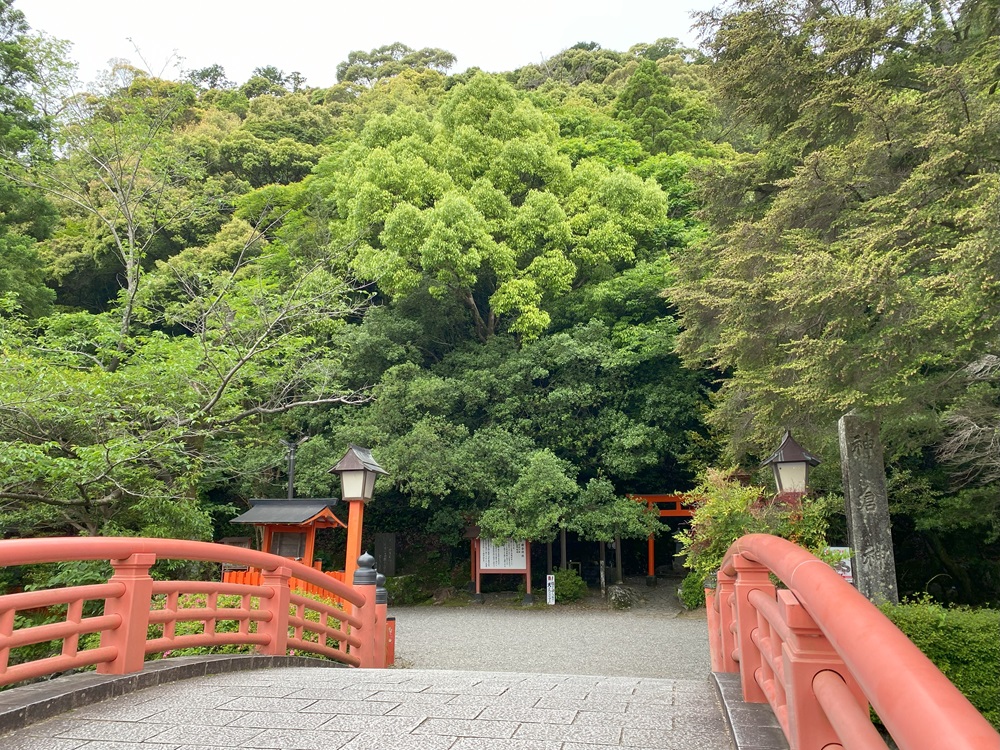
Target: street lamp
{"x": 357, "y": 471}
{"x": 790, "y": 464}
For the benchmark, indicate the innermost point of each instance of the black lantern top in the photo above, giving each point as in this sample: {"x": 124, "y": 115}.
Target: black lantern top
{"x": 358, "y": 458}
{"x": 791, "y": 452}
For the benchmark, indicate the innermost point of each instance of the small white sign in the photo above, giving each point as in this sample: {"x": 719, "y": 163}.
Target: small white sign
{"x": 550, "y": 589}
{"x": 509, "y": 556}
{"x": 843, "y": 567}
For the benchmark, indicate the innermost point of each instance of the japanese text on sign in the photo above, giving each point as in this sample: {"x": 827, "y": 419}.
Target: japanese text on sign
{"x": 509, "y": 556}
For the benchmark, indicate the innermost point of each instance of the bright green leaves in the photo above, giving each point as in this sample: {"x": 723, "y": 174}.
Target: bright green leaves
{"x": 663, "y": 118}
{"x": 521, "y": 299}
{"x": 456, "y": 244}
{"x": 538, "y": 225}
{"x": 481, "y": 206}
{"x": 614, "y": 216}
{"x": 535, "y": 505}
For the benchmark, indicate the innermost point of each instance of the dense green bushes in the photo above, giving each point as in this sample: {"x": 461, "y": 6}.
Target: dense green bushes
{"x": 692, "y": 591}
{"x": 726, "y": 510}
{"x": 963, "y": 643}
{"x": 569, "y": 586}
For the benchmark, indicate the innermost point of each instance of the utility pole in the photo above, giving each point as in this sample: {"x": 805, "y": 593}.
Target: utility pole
{"x": 291, "y": 462}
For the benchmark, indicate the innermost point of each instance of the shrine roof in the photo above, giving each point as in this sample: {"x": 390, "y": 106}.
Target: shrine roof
{"x": 266, "y": 510}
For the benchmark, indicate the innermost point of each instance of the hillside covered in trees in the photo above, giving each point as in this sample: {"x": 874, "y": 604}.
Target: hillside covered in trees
{"x": 530, "y": 293}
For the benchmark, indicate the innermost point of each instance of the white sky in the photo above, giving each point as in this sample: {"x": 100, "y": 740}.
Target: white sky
{"x": 312, "y": 36}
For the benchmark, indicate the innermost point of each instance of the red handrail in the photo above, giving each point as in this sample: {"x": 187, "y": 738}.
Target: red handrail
{"x": 57, "y": 549}
{"x": 280, "y": 618}
{"x": 828, "y": 626}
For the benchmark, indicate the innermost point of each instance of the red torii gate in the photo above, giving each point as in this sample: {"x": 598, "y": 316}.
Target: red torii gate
{"x": 668, "y": 506}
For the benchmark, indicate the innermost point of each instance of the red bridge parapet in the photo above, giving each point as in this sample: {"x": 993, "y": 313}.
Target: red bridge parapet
{"x": 819, "y": 653}
{"x": 140, "y": 614}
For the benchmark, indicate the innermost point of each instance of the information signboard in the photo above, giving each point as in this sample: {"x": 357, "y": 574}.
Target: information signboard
{"x": 843, "y": 566}
{"x": 550, "y": 589}
{"x": 508, "y": 557}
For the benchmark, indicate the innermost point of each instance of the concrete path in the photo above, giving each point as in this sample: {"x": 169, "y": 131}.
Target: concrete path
{"x": 412, "y": 709}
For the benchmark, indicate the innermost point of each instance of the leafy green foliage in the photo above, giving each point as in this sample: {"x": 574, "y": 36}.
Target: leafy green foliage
{"x": 850, "y": 259}
{"x": 461, "y": 274}
{"x": 22, "y": 277}
{"x": 725, "y": 510}
{"x": 367, "y": 68}
{"x": 961, "y": 642}
{"x": 569, "y": 586}
{"x": 692, "y": 591}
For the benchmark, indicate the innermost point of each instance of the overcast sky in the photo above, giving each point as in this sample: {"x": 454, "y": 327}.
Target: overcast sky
{"x": 312, "y": 36}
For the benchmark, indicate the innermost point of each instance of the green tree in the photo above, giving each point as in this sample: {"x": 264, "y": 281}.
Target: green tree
{"x": 22, "y": 276}
{"x": 112, "y": 439}
{"x": 850, "y": 262}
{"x": 367, "y": 68}
{"x": 662, "y": 118}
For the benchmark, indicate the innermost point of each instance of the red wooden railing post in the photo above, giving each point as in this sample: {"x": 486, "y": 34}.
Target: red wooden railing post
{"x": 277, "y": 626}
{"x": 750, "y": 576}
{"x": 381, "y": 611}
{"x": 724, "y": 594}
{"x": 806, "y": 653}
{"x": 365, "y": 583}
{"x": 133, "y": 609}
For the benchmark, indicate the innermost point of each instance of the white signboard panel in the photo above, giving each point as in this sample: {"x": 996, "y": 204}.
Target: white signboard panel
{"x": 510, "y": 556}
{"x": 843, "y": 567}
{"x": 550, "y": 589}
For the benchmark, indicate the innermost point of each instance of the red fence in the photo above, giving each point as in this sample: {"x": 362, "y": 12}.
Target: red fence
{"x": 252, "y": 577}
{"x": 819, "y": 652}
{"x": 140, "y": 615}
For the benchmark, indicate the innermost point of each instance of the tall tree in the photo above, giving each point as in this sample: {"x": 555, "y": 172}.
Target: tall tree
{"x": 852, "y": 253}
{"x": 367, "y": 68}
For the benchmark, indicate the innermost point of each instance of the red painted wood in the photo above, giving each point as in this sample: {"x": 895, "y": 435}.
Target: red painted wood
{"x": 131, "y": 628}
{"x": 821, "y": 626}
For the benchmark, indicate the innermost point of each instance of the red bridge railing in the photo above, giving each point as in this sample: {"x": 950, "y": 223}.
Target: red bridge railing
{"x": 819, "y": 653}
{"x": 140, "y": 615}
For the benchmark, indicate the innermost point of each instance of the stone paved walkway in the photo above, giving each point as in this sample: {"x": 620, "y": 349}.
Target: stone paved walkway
{"x": 407, "y": 709}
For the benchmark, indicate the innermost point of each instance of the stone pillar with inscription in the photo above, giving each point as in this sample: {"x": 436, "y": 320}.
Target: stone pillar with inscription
{"x": 867, "y": 505}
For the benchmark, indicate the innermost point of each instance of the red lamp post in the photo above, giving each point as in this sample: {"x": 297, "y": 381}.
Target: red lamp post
{"x": 358, "y": 471}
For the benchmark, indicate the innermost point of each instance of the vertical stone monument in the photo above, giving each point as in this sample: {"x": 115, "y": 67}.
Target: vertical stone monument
{"x": 867, "y": 504}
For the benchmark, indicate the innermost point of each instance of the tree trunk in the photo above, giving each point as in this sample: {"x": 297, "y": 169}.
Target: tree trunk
{"x": 618, "y": 559}
{"x": 604, "y": 583}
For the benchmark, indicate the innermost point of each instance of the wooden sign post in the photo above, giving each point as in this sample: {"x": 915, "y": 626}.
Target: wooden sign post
{"x": 510, "y": 557}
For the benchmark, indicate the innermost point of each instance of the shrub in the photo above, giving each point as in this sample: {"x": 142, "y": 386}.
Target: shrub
{"x": 569, "y": 586}
{"x": 692, "y": 593}
{"x": 961, "y": 642}
{"x": 404, "y": 591}
{"x": 726, "y": 510}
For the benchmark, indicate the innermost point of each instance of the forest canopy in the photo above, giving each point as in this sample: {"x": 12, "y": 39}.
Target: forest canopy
{"x": 530, "y": 293}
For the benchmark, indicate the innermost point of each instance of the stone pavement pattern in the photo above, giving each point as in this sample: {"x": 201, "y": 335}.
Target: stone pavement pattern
{"x": 413, "y": 709}
{"x": 562, "y": 678}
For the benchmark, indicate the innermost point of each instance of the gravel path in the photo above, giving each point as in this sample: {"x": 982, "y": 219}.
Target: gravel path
{"x": 656, "y": 638}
